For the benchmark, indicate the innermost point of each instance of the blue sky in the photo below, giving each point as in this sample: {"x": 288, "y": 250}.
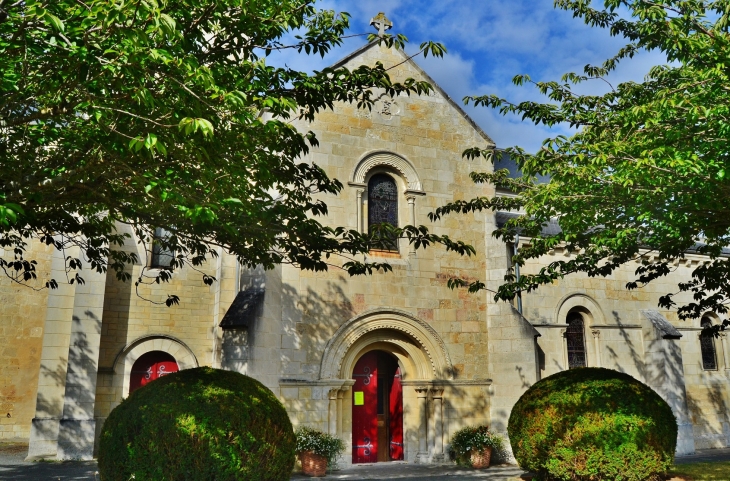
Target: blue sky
{"x": 489, "y": 42}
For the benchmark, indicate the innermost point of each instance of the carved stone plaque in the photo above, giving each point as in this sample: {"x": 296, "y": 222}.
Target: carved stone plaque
{"x": 386, "y": 107}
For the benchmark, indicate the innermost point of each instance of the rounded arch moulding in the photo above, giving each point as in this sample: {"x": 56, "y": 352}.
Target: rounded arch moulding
{"x": 582, "y": 303}
{"x": 411, "y": 339}
{"x": 385, "y": 158}
{"x": 183, "y": 355}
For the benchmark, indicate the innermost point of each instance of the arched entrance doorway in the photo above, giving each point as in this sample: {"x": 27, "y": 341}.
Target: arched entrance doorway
{"x": 377, "y": 409}
{"x": 424, "y": 365}
{"x": 149, "y": 367}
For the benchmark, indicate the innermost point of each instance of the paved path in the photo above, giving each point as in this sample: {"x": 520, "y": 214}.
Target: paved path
{"x": 398, "y": 470}
{"x": 705, "y": 455}
{"x": 14, "y": 468}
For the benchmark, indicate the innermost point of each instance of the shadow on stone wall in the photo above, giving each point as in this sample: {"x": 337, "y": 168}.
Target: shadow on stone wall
{"x": 637, "y": 356}
{"x": 314, "y": 316}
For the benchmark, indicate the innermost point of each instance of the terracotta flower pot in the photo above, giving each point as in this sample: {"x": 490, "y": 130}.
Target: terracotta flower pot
{"x": 314, "y": 465}
{"x": 480, "y": 459}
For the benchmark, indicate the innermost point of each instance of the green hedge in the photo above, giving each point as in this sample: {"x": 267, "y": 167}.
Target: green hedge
{"x": 198, "y": 424}
{"x": 593, "y": 424}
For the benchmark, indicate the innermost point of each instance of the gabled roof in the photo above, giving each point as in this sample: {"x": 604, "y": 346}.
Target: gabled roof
{"x": 428, "y": 78}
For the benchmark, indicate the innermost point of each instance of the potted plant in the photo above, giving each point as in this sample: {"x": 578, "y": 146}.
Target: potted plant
{"x": 473, "y": 445}
{"x": 317, "y": 450}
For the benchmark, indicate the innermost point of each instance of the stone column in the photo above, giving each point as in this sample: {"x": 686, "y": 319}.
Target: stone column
{"x": 78, "y": 426}
{"x": 437, "y": 426}
{"x": 340, "y": 397}
{"x": 54, "y": 361}
{"x": 722, "y": 345}
{"x": 359, "y": 193}
{"x": 422, "y": 455}
{"x": 333, "y": 411}
{"x": 64, "y": 426}
{"x": 563, "y": 334}
{"x": 412, "y": 208}
{"x": 596, "y": 345}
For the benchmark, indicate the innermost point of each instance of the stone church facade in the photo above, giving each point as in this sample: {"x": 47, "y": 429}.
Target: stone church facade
{"x": 439, "y": 359}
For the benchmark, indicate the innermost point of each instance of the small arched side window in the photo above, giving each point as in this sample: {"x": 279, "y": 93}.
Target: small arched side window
{"x": 162, "y": 256}
{"x": 383, "y": 204}
{"x": 575, "y": 340}
{"x": 707, "y": 346}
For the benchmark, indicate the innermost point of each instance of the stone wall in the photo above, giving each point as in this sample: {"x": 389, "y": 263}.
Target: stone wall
{"x": 23, "y": 315}
{"x": 430, "y": 134}
{"x": 136, "y": 321}
{"x": 614, "y": 337}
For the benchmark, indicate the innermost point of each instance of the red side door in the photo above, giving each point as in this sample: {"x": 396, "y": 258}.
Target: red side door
{"x": 395, "y": 418}
{"x": 365, "y": 410}
{"x": 149, "y": 367}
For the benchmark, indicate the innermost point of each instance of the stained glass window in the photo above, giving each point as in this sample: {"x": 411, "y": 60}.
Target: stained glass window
{"x": 383, "y": 204}
{"x": 576, "y": 341}
{"x": 707, "y": 345}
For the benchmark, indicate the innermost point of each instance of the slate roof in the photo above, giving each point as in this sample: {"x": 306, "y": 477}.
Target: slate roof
{"x": 551, "y": 228}
{"x": 244, "y": 308}
{"x": 505, "y": 162}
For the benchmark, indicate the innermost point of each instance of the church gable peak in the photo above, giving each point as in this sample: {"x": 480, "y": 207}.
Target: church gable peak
{"x": 396, "y": 57}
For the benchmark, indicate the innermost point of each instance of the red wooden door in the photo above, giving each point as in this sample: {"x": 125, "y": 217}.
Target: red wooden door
{"x": 365, "y": 410}
{"x": 395, "y": 418}
{"x": 149, "y": 367}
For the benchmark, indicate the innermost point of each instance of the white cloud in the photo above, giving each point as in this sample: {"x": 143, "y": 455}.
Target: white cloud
{"x": 489, "y": 42}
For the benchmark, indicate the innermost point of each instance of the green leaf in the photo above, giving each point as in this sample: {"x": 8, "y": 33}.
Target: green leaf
{"x": 54, "y": 21}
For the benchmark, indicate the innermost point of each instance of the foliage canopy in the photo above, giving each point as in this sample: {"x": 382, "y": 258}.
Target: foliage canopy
{"x": 647, "y": 175}
{"x": 164, "y": 113}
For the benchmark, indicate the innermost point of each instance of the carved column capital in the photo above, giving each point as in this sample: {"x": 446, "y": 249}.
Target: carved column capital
{"x": 422, "y": 391}
{"x": 596, "y": 333}
{"x": 437, "y": 392}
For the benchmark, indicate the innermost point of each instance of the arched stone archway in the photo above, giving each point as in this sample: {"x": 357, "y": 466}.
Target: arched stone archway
{"x": 388, "y": 159}
{"x": 425, "y": 356}
{"x": 424, "y": 365}
{"x": 126, "y": 358}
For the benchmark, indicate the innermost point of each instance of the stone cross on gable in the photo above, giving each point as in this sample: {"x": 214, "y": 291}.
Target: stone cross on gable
{"x": 382, "y": 23}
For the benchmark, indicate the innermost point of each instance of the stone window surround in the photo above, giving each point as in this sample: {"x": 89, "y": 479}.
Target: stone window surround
{"x": 719, "y": 344}
{"x": 592, "y": 316}
{"x": 593, "y": 321}
{"x": 405, "y": 175}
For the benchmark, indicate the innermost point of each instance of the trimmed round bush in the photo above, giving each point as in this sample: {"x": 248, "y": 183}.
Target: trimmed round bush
{"x": 593, "y": 424}
{"x": 198, "y": 424}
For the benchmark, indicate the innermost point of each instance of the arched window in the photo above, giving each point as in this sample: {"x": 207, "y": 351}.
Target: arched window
{"x": 707, "y": 346}
{"x": 162, "y": 256}
{"x": 575, "y": 341}
{"x": 383, "y": 204}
